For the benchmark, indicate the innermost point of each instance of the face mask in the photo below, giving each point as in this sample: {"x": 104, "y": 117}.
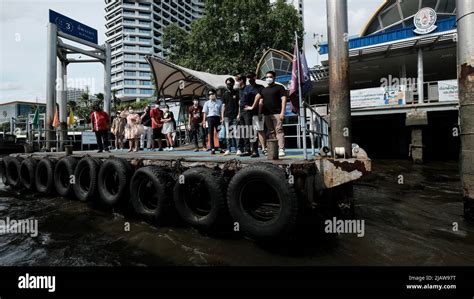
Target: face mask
{"x": 270, "y": 81}
{"x": 230, "y": 86}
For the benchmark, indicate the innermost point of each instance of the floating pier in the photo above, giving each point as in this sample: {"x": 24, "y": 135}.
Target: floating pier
{"x": 264, "y": 198}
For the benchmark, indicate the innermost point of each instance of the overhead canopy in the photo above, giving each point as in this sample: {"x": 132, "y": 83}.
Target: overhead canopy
{"x": 172, "y": 81}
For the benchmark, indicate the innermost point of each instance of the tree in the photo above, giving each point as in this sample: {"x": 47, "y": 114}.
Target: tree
{"x": 232, "y": 35}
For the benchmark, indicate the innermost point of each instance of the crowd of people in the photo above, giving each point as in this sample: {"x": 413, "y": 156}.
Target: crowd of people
{"x": 248, "y": 114}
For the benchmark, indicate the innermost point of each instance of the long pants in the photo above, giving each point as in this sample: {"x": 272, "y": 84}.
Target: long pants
{"x": 259, "y": 126}
{"x": 231, "y": 125}
{"x": 148, "y": 133}
{"x": 197, "y": 132}
{"x": 102, "y": 139}
{"x": 212, "y": 123}
{"x": 245, "y": 124}
{"x": 119, "y": 141}
{"x": 275, "y": 129}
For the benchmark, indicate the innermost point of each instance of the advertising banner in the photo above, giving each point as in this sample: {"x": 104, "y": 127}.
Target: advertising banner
{"x": 375, "y": 97}
{"x": 448, "y": 90}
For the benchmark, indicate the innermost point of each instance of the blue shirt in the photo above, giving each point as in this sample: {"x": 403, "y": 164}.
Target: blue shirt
{"x": 212, "y": 108}
{"x": 248, "y": 94}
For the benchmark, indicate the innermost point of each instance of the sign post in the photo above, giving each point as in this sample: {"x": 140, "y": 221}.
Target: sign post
{"x": 62, "y": 27}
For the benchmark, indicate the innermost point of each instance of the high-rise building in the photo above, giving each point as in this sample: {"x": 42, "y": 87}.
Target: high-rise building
{"x": 75, "y": 94}
{"x": 135, "y": 30}
{"x": 298, "y": 4}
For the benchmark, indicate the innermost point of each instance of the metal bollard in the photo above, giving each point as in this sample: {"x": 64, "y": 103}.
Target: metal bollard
{"x": 272, "y": 149}
{"x": 68, "y": 149}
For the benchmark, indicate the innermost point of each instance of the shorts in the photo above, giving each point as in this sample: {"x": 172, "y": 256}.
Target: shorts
{"x": 157, "y": 134}
{"x": 257, "y": 124}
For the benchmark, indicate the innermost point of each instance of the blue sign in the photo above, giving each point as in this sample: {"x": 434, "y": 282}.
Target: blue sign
{"x": 72, "y": 27}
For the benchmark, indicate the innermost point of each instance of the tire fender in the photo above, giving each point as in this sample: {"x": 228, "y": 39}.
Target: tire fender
{"x": 63, "y": 171}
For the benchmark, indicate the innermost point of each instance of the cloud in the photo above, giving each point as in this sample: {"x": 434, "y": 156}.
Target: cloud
{"x": 7, "y": 86}
{"x": 23, "y": 39}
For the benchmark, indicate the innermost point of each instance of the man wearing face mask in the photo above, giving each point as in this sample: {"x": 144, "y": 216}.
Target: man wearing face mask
{"x": 248, "y": 94}
{"x": 272, "y": 103}
{"x": 194, "y": 124}
{"x": 212, "y": 112}
{"x": 230, "y": 113}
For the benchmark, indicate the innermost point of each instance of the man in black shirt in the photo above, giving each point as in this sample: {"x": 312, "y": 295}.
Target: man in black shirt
{"x": 257, "y": 122}
{"x": 230, "y": 114}
{"x": 272, "y": 103}
{"x": 248, "y": 95}
{"x": 146, "y": 121}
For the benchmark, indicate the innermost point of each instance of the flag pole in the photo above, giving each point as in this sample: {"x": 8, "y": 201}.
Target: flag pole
{"x": 300, "y": 95}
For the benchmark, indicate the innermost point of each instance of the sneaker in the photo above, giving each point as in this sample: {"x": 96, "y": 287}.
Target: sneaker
{"x": 108, "y": 151}
{"x": 281, "y": 153}
{"x": 167, "y": 149}
{"x": 227, "y": 153}
{"x": 265, "y": 152}
{"x": 160, "y": 149}
{"x": 239, "y": 153}
{"x": 254, "y": 155}
{"x": 99, "y": 151}
{"x": 171, "y": 149}
{"x": 213, "y": 152}
{"x": 246, "y": 154}
{"x": 196, "y": 150}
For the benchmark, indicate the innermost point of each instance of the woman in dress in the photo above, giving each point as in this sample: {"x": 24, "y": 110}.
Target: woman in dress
{"x": 168, "y": 127}
{"x": 133, "y": 130}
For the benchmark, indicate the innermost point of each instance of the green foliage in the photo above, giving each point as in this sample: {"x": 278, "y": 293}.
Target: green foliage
{"x": 135, "y": 105}
{"x": 82, "y": 109}
{"x": 233, "y": 35}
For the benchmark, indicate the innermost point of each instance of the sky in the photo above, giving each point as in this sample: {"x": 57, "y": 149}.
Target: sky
{"x": 23, "y": 41}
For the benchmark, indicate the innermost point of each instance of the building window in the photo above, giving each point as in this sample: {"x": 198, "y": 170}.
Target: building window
{"x": 146, "y": 91}
{"x": 130, "y": 90}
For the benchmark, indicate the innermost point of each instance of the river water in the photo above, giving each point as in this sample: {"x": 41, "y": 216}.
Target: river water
{"x": 407, "y": 224}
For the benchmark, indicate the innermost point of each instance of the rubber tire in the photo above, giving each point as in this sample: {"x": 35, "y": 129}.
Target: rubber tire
{"x": 92, "y": 166}
{"x": 3, "y": 177}
{"x": 63, "y": 170}
{"x": 213, "y": 182}
{"x": 274, "y": 177}
{"x": 124, "y": 173}
{"x": 12, "y": 171}
{"x": 28, "y": 174}
{"x": 45, "y": 169}
{"x": 163, "y": 186}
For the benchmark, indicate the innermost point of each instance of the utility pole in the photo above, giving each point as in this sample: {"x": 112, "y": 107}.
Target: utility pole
{"x": 465, "y": 24}
{"x": 339, "y": 93}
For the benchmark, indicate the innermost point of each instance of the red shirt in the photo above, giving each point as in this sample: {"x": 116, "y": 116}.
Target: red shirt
{"x": 195, "y": 113}
{"x": 156, "y": 115}
{"x": 99, "y": 121}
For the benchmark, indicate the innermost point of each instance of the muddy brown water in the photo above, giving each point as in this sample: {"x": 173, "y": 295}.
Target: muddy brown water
{"x": 405, "y": 224}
